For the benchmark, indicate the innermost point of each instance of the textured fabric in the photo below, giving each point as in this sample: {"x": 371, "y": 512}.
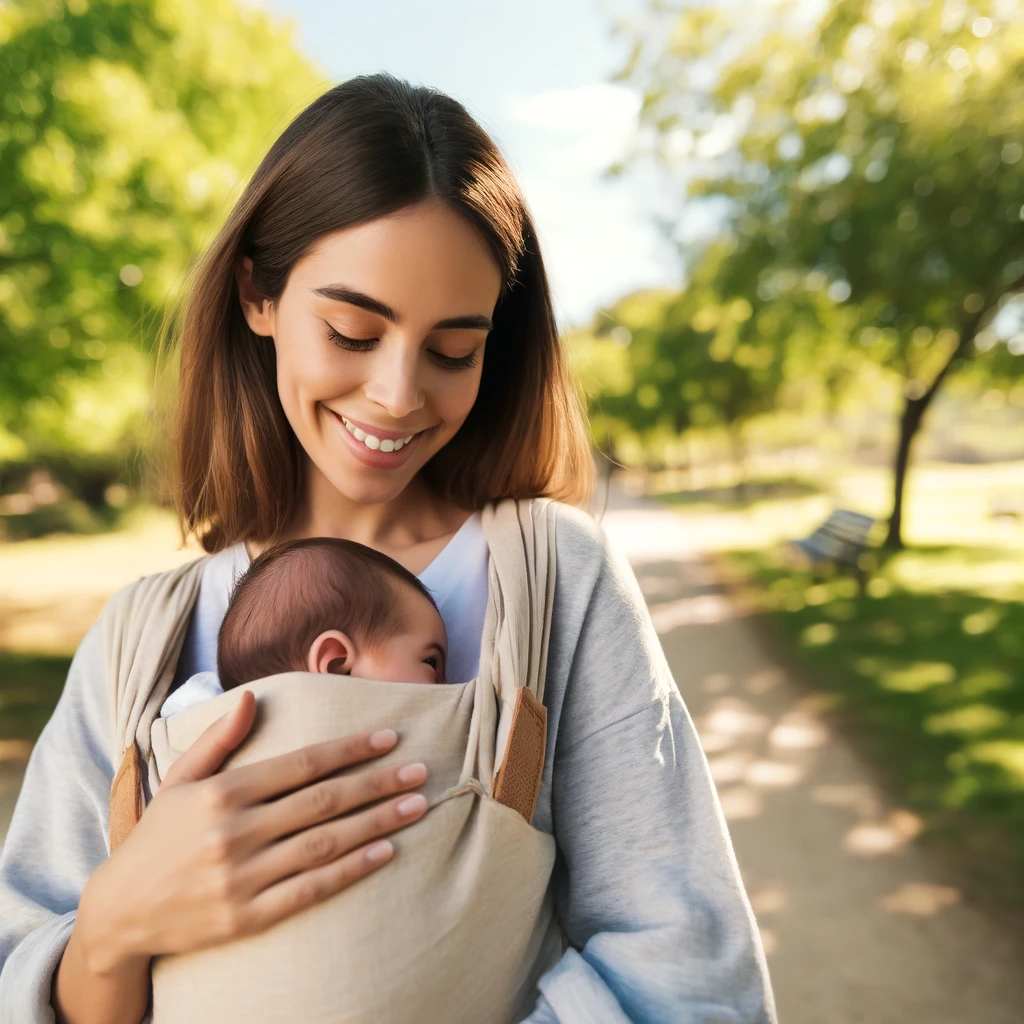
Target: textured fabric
{"x": 456, "y": 579}
{"x": 477, "y": 875}
{"x": 645, "y": 882}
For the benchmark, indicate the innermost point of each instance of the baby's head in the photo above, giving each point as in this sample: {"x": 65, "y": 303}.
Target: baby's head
{"x": 327, "y": 605}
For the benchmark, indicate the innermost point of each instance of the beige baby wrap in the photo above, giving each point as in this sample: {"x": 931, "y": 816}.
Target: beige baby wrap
{"x": 459, "y": 926}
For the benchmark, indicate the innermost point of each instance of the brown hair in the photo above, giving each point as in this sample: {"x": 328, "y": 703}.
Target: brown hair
{"x": 366, "y": 148}
{"x": 295, "y": 591}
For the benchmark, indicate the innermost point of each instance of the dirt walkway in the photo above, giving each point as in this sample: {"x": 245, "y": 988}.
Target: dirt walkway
{"x": 859, "y": 923}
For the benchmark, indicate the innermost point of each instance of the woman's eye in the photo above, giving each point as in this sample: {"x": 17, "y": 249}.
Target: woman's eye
{"x": 365, "y": 344}
{"x": 451, "y": 363}
{"x": 352, "y": 344}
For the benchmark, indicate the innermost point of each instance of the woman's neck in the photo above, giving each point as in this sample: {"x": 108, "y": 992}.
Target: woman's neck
{"x": 411, "y": 527}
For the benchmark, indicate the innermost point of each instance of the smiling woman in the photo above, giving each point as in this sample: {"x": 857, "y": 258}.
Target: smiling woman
{"x": 371, "y": 292}
{"x": 382, "y": 382}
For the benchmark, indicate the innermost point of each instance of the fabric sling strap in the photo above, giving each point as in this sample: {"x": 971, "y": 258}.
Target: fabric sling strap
{"x": 475, "y": 870}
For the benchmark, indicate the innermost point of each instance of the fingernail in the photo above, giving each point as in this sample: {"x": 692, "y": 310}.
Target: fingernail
{"x": 413, "y": 773}
{"x": 384, "y": 740}
{"x": 412, "y": 805}
{"x": 379, "y": 851}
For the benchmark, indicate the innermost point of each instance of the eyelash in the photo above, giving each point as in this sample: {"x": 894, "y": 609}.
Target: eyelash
{"x": 365, "y": 344}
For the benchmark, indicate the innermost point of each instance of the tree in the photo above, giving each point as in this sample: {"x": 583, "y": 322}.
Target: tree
{"x": 126, "y": 127}
{"x": 878, "y": 146}
{"x": 659, "y": 363}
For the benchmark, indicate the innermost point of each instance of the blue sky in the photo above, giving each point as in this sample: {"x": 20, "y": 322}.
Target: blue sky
{"x": 535, "y": 74}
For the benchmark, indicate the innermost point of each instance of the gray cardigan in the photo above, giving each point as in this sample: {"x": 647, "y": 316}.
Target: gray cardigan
{"x": 646, "y": 881}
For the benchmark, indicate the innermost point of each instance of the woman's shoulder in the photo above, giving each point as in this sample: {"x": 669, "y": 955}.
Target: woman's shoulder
{"x": 578, "y": 535}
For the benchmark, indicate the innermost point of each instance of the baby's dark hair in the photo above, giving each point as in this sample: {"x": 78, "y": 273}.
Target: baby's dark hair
{"x": 295, "y": 591}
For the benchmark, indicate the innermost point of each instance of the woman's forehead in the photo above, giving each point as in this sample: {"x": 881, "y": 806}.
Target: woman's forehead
{"x": 422, "y": 257}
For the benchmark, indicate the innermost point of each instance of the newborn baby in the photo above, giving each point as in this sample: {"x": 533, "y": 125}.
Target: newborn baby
{"x": 323, "y": 605}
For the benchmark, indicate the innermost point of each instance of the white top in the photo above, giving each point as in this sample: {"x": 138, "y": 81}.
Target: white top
{"x": 456, "y": 579}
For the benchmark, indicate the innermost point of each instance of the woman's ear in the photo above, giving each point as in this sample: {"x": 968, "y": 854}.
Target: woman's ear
{"x": 256, "y": 307}
{"x": 331, "y": 652}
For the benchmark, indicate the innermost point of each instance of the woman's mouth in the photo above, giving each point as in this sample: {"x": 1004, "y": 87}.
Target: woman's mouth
{"x": 372, "y": 441}
{"x": 383, "y": 449}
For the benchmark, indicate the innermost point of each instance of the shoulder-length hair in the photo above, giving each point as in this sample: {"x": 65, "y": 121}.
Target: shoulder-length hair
{"x": 366, "y": 148}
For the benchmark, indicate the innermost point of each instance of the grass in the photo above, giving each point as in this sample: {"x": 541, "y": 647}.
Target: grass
{"x": 927, "y": 665}
{"x": 30, "y": 685}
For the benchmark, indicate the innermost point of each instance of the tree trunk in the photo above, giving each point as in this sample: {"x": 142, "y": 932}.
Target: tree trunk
{"x": 915, "y": 408}
{"x": 910, "y": 422}
{"x": 739, "y": 458}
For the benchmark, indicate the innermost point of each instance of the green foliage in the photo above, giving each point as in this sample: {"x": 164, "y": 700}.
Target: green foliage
{"x": 126, "y": 128}
{"x": 880, "y": 145}
{"x": 713, "y": 355}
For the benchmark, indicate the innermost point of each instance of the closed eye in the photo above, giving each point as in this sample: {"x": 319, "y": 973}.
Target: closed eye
{"x": 366, "y": 344}
{"x": 437, "y": 664}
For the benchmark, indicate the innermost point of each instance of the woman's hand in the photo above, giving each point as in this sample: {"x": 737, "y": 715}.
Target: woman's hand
{"x": 218, "y": 856}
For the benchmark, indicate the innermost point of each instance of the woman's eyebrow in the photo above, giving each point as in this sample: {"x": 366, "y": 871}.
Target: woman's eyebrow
{"x": 342, "y": 293}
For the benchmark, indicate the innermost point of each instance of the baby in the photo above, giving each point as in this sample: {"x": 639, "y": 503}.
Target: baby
{"x": 323, "y": 605}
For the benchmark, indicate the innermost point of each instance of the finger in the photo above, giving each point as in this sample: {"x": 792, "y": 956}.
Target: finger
{"x": 208, "y": 752}
{"x": 329, "y": 799}
{"x": 323, "y": 844}
{"x": 264, "y": 780}
{"x": 302, "y": 891}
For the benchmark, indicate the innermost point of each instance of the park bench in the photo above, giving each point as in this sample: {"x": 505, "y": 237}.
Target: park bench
{"x": 840, "y": 541}
{"x": 1007, "y": 506}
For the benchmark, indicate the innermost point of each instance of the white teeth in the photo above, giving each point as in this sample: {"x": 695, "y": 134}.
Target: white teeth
{"x": 375, "y": 443}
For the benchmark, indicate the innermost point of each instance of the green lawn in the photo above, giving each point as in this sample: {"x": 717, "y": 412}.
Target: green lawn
{"x": 30, "y": 685}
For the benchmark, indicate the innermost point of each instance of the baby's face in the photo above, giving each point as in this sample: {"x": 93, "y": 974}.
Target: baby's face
{"x": 416, "y": 656}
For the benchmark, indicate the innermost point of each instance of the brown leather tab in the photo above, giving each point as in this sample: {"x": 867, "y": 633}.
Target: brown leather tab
{"x": 125, "y": 798}
{"x": 518, "y": 782}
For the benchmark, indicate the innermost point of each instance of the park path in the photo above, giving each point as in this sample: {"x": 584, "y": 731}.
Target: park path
{"x": 859, "y": 922}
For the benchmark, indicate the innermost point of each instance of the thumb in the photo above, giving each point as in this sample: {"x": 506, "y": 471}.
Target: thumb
{"x": 208, "y": 752}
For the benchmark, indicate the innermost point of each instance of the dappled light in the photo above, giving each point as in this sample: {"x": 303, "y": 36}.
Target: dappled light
{"x": 870, "y": 839}
{"x": 920, "y": 899}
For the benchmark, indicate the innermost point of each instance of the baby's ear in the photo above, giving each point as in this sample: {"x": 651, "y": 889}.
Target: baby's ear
{"x": 331, "y": 652}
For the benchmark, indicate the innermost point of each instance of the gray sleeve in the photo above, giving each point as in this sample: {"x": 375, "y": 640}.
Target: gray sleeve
{"x": 648, "y": 886}
{"x": 57, "y": 838}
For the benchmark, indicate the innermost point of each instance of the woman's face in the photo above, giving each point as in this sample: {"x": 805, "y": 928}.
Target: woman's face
{"x": 380, "y": 335}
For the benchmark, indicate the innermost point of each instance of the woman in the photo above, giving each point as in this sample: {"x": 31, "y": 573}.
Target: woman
{"x": 369, "y": 352}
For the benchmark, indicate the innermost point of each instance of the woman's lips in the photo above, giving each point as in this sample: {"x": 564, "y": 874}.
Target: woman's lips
{"x": 375, "y": 458}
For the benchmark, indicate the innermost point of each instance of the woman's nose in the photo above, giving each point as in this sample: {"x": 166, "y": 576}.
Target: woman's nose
{"x": 394, "y": 382}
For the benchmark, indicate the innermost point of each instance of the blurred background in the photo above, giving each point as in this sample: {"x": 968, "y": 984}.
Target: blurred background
{"x": 786, "y": 242}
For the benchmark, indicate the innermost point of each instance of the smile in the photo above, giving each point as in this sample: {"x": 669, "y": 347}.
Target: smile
{"x": 373, "y": 442}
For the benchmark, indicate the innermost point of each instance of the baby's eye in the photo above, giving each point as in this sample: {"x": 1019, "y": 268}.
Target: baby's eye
{"x": 432, "y": 662}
